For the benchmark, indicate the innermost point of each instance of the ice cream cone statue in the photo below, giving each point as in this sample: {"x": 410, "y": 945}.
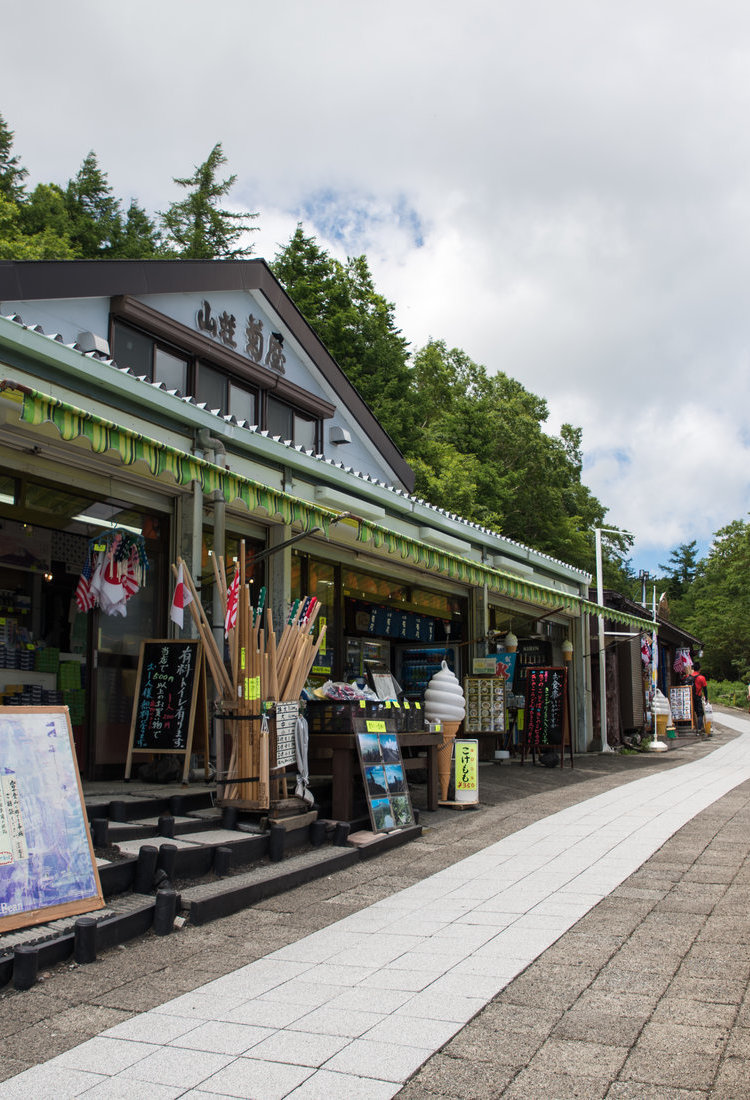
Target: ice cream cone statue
{"x": 444, "y": 703}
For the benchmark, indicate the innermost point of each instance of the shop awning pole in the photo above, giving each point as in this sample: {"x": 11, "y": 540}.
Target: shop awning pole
{"x": 602, "y": 654}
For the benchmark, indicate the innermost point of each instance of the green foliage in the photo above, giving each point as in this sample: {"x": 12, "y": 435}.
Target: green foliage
{"x": 681, "y": 570}
{"x": 12, "y": 174}
{"x": 16, "y": 244}
{"x": 716, "y": 608}
{"x": 728, "y": 693}
{"x": 196, "y": 228}
{"x": 94, "y": 218}
{"x": 482, "y": 452}
{"x": 355, "y": 323}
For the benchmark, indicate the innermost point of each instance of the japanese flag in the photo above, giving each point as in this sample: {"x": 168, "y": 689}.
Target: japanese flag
{"x": 182, "y": 597}
{"x": 232, "y": 602}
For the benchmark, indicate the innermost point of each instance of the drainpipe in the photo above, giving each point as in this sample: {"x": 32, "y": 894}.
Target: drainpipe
{"x": 215, "y": 452}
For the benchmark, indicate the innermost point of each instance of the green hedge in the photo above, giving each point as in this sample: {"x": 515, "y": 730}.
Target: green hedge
{"x": 730, "y": 693}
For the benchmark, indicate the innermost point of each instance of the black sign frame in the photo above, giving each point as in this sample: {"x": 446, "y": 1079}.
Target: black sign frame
{"x": 547, "y": 713}
{"x": 170, "y": 693}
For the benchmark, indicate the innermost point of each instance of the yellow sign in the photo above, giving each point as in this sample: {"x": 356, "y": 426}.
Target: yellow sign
{"x": 467, "y": 766}
{"x": 375, "y": 726}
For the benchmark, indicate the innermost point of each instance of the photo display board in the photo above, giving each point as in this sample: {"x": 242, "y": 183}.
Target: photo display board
{"x": 47, "y": 865}
{"x": 383, "y": 774}
{"x": 170, "y": 674}
{"x": 681, "y": 703}
{"x": 545, "y": 707}
{"x": 485, "y": 704}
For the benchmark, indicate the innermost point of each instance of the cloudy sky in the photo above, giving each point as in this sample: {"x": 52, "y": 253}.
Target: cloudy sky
{"x": 561, "y": 189}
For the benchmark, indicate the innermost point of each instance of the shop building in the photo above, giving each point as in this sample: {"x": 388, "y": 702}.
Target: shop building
{"x": 628, "y": 664}
{"x": 186, "y": 406}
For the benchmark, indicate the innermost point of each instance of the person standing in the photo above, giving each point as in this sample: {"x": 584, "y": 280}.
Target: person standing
{"x": 700, "y": 693}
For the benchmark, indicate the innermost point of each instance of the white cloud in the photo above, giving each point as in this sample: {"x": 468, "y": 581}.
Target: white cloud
{"x": 559, "y": 189}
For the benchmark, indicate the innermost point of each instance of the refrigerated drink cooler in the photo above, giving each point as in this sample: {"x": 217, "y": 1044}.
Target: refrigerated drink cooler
{"x": 416, "y": 665}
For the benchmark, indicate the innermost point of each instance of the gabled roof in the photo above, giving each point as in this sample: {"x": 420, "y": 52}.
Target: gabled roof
{"x": 44, "y": 280}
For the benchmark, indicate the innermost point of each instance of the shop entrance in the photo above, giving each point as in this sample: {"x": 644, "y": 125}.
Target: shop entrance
{"x": 51, "y": 651}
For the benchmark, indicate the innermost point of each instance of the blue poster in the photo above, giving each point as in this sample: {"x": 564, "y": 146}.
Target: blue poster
{"x": 46, "y": 858}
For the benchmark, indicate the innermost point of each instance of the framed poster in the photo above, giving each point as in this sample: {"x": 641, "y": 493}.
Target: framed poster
{"x": 681, "y": 703}
{"x": 383, "y": 774}
{"x": 169, "y": 694}
{"x": 47, "y": 865}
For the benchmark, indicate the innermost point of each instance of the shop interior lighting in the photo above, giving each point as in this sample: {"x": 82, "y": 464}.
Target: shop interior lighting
{"x": 7, "y": 498}
{"x": 106, "y": 524}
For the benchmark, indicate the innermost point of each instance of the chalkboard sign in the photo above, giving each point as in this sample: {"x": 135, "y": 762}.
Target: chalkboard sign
{"x": 532, "y": 653}
{"x": 47, "y": 865}
{"x": 546, "y": 708}
{"x": 170, "y": 682}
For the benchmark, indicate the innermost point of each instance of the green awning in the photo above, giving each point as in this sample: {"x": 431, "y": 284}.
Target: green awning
{"x": 104, "y": 435}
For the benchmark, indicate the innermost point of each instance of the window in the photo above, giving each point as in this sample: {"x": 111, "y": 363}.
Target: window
{"x": 145, "y": 357}
{"x": 243, "y": 403}
{"x": 284, "y": 421}
{"x": 171, "y": 370}
{"x": 220, "y": 389}
{"x": 211, "y": 387}
{"x": 133, "y": 349}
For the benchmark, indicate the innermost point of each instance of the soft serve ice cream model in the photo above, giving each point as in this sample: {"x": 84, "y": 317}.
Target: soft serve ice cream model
{"x": 444, "y": 703}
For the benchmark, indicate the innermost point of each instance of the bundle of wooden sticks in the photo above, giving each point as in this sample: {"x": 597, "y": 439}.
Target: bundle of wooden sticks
{"x": 258, "y": 669}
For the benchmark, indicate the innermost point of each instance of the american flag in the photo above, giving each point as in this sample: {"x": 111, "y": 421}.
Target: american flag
{"x": 233, "y": 599}
{"x": 85, "y": 599}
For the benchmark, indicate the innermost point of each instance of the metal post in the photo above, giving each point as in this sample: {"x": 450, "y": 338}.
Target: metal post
{"x": 602, "y": 654}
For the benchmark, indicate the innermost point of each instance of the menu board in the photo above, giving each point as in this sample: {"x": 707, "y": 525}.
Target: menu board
{"x": 286, "y": 715}
{"x": 545, "y": 707}
{"x": 485, "y": 704}
{"x": 681, "y": 703}
{"x": 170, "y": 672}
{"x": 47, "y": 865}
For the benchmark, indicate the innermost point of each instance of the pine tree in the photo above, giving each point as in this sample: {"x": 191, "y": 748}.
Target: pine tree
{"x": 94, "y": 212}
{"x": 12, "y": 174}
{"x": 197, "y": 228}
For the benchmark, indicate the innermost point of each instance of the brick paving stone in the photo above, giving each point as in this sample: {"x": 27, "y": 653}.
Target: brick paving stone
{"x": 562, "y": 1011}
{"x": 665, "y": 1067}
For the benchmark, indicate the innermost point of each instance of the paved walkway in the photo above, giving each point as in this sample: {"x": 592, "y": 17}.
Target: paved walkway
{"x": 354, "y": 1009}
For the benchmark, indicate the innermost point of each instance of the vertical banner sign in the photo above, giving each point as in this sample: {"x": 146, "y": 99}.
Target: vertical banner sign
{"x": 466, "y": 774}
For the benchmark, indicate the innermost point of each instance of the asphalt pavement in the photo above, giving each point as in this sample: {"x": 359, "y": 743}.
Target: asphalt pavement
{"x": 583, "y": 933}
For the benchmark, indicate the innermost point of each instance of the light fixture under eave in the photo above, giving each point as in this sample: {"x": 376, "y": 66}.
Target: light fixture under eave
{"x": 106, "y": 524}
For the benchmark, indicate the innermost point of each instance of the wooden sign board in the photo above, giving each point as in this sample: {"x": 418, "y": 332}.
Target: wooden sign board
{"x": 47, "y": 865}
{"x": 383, "y": 774}
{"x": 681, "y": 703}
{"x": 170, "y": 694}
